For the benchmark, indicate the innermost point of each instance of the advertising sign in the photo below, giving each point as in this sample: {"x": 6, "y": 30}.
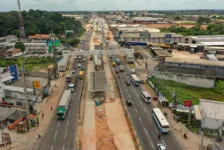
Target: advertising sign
{"x": 14, "y": 72}
{"x": 36, "y": 84}
{"x": 187, "y": 103}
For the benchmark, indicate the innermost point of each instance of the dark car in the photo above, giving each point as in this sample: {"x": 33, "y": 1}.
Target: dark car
{"x": 116, "y": 70}
{"x": 129, "y": 103}
{"x": 128, "y": 83}
{"x": 83, "y": 68}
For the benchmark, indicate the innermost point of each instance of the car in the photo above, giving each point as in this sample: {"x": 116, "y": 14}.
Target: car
{"x": 83, "y": 68}
{"x": 116, "y": 70}
{"x": 73, "y": 72}
{"x": 129, "y": 103}
{"x": 79, "y": 65}
{"x": 84, "y": 59}
{"x": 161, "y": 147}
{"x": 128, "y": 83}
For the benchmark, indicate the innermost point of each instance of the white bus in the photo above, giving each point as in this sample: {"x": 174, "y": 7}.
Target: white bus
{"x": 160, "y": 120}
{"x": 69, "y": 76}
{"x": 146, "y": 97}
{"x": 135, "y": 80}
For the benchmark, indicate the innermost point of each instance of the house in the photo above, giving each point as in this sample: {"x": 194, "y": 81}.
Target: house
{"x": 14, "y": 52}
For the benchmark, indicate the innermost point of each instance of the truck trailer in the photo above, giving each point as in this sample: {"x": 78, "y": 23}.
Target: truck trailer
{"x": 64, "y": 104}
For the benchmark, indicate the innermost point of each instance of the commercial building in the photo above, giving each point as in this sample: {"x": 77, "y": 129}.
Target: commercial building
{"x": 40, "y": 48}
{"x": 146, "y": 20}
{"x": 211, "y": 40}
{"x": 212, "y": 114}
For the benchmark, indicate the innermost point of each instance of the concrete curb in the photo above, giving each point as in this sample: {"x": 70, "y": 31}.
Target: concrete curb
{"x": 137, "y": 143}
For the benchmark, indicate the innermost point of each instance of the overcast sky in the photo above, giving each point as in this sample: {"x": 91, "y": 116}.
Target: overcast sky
{"x": 92, "y": 5}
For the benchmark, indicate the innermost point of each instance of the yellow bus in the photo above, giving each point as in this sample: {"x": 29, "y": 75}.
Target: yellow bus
{"x": 81, "y": 74}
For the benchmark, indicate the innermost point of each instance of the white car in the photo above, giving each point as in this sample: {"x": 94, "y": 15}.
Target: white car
{"x": 161, "y": 147}
{"x": 79, "y": 65}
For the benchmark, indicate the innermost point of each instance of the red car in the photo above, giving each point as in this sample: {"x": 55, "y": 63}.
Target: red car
{"x": 116, "y": 70}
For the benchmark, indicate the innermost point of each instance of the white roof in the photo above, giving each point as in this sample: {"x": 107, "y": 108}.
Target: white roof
{"x": 213, "y": 43}
{"x": 197, "y": 112}
{"x": 17, "y": 89}
{"x": 160, "y": 116}
{"x": 64, "y": 97}
{"x": 212, "y": 57}
{"x": 7, "y": 78}
{"x": 212, "y": 109}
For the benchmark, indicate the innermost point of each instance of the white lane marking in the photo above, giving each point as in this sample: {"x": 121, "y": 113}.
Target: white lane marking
{"x": 129, "y": 95}
{"x": 126, "y": 89}
{"x": 58, "y": 123}
{"x": 52, "y": 147}
{"x": 152, "y": 144}
{"x": 67, "y": 123}
{"x": 145, "y": 110}
{"x": 124, "y": 84}
{"x": 69, "y": 113}
{"x": 150, "y": 119}
{"x": 55, "y": 134}
{"x": 163, "y": 143}
{"x": 146, "y": 131}
{"x": 140, "y": 119}
{"x": 65, "y": 134}
{"x": 136, "y": 110}
{"x": 63, "y": 147}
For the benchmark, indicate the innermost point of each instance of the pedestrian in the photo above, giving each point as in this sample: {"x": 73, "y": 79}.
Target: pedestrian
{"x": 55, "y": 86}
{"x": 51, "y": 108}
{"x": 42, "y": 115}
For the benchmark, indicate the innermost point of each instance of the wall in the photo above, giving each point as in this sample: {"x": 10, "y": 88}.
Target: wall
{"x": 211, "y": 123}
{"x": 187, "y": 79}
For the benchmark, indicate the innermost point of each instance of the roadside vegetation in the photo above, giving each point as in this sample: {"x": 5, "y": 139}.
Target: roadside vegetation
{"x": 31, "y": 64}
{"x": 186, "y": 92}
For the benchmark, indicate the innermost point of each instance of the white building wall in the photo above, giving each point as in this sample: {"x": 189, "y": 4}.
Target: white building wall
{"x": 211, "y": 123}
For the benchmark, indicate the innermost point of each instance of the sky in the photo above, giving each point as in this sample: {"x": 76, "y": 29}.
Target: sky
{"x": 96, "y": 5}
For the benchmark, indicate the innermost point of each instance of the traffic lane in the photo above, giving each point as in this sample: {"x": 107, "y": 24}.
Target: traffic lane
{"x": 133, "y": 113}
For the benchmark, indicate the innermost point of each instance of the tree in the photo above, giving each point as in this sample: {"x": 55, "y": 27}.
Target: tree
{"x": 177, "y": 18}
{"x": 202, "y": 20}
{"x": 20, "y": 45}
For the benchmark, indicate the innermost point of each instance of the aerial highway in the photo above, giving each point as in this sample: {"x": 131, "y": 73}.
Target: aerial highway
{"x": 61, "y": 134}
{"x": 141, "y": 113}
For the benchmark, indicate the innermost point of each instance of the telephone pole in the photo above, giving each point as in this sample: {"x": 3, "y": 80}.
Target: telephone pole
{"x": 54, "y": 56}
{"x": 25, "y": 92}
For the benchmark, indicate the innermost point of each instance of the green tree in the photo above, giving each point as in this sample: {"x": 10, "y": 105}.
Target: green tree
{"x": 202, "y": 20}
{"x": 20, "y": 45}
{"x": 177, "y": 18}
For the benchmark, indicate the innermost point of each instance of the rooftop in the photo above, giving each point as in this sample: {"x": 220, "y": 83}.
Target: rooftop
{"x": 160, "y": 34}
{"x": 6, "y": 112}
{"x": 98, "y": 81}
{"x": 212, "y": 109}
{"x": 210, "y": 38}
{"x": 195, "y": 61}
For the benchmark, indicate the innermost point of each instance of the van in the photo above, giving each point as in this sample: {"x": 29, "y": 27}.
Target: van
{"x": 118, "y": 61}
{"x": 146, "y": 97}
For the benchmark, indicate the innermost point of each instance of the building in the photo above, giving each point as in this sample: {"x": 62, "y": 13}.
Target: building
{"x": 40, "y": 37}
{"x": 146, "y": 20}
{"x": 140, "y": 13}
{"x": 9, "y": 38}
{"x": 39, "y": 48}
{"x": 211, "y": 40}
{"x": 14, "y": 52}
{"x": 212, "y": 114}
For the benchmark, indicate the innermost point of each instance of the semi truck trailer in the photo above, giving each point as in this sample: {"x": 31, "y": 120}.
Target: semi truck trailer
{"x": 64, "y": 104}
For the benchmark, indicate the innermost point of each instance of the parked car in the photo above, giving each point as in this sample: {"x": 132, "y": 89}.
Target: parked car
{"x": 129, "y": 103}
{"x": 128, "y": 83}
{"x": 79, "y": 65}
{"x": 116, "y": 70}
{"x": 161, "y": 147}
{"x": 83, "y": 68}
{"x": 84, "y": 59}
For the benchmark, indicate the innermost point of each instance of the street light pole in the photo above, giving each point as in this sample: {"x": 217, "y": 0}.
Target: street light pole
{"x": 25, "y": 92}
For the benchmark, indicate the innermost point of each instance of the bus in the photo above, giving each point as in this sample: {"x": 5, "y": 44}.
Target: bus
{"x": 146, "y": 97}
{"x": 135, "y": 80}
{"x": 81, "y": 73}
{"x": 160, "y": 120}
{"x": 69, "y": 76}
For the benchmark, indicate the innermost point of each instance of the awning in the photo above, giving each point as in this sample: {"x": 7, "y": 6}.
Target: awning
{"x": 7, "y": 78}
{"x": 197, "y": 112}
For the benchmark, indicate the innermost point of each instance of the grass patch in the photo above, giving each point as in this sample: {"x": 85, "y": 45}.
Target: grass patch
{"x": 186, "y": 92}
{"x": 31, "y": 64}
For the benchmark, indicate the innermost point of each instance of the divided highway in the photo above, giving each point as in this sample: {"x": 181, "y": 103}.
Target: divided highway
{"x": 141, "y": 114}
{"x": 61, "y": 134}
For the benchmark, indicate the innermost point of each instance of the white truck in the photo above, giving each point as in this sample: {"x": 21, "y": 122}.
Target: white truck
{"x": 64, "y": 104}
{"x": 130, "y": 56}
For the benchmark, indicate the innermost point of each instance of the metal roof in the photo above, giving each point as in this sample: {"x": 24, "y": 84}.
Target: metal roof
{"x": 216, "y": 43}
{"x": 212, "y": 109}
{"x": 162, "y": 35}
{"x": 202, "y": 62}
{"x": 98, "y": 81}
{"x": 208, "y": 38}
{"x": 162, "y": 53}
{"x": 5, "y": 113}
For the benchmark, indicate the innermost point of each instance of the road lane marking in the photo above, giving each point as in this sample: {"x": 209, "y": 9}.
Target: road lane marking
{"x": 63, "y": 147}
{"x": 129, "y": 95}
{"x": 69, "y": 113}
{"x": 67, "y": 123}
{"x": 65, "y": 134}
{"x": 146, "y": 131}
{"x": 52, "y": 147}
{"x": 163, "y": 143}
{"x": 156, "y": 129}
{"x": 58, "y": 123}
{"x": 124, "y": 84}
{"x": 140, "y": 119}
{"x": 152, "y": 144}
{"x": 150, "y": 119}
{"x": 126, "y": 89}
{"x": 55, "y": 134}
{"x": 145, "y": 110}
{"x": 136, "y": 110}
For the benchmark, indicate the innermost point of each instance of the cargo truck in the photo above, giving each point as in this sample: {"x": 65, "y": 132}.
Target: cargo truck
{"x": 64, "y": 104}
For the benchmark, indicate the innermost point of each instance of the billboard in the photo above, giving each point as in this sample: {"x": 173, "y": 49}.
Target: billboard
{"x": 187, "y": 103}
{"x": 14, "y": 72}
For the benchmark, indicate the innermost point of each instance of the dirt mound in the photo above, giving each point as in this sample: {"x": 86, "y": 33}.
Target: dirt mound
{"x": 104, "y": 137}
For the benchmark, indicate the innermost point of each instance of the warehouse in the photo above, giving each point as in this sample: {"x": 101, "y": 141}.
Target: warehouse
{"x": 63, "y": 63}
{"x": 211, "y": 40}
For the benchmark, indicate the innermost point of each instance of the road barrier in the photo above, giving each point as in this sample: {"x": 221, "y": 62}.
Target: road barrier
{"x": 137, "y": 143}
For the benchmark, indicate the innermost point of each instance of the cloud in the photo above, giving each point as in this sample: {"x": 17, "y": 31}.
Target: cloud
{"x": 91, "y": 5}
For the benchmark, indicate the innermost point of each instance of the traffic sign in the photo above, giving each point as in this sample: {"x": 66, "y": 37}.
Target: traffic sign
{"x": 36, "y": 84}
{"x": 187, "y": 103}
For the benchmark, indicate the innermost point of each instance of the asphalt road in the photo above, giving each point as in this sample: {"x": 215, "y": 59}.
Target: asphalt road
{"x": 141, "y": 114}
{"x": 61, "y": 134}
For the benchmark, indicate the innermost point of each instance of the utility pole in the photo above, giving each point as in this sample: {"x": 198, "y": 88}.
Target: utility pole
{"x": 26, "y": 99}
{"x": 189, "y": 116}
{"x": 54, "y": 55}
